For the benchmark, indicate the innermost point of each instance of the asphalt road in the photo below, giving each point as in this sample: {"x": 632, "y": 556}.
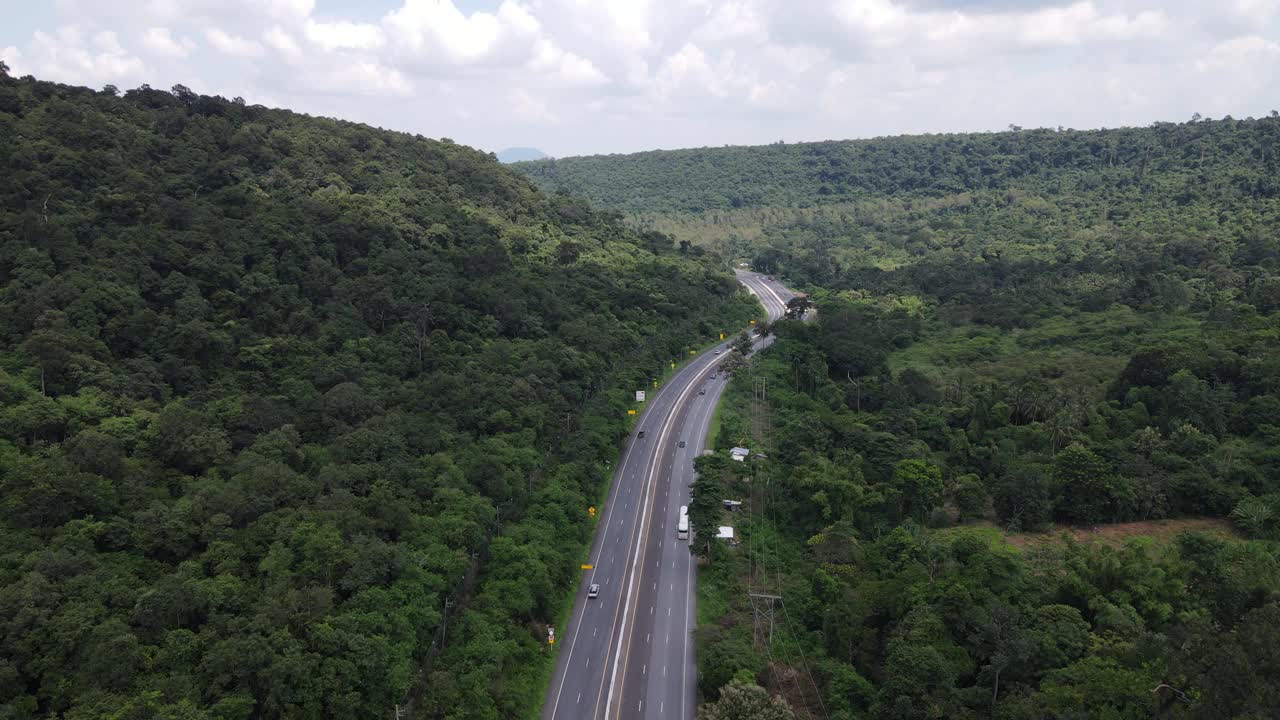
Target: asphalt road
{"x": 629, "y": 652}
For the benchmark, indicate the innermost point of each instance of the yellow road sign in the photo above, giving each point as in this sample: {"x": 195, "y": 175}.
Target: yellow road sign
{"x": 753, "y": 322}
{"x": 721, "y": 336}
{"x": 673, "y": 366}
{"x": 655, "y": 383}
{"x": 586, "y": 567}
{"x": 591, "y": 511}
{"x": 631, "y": 412}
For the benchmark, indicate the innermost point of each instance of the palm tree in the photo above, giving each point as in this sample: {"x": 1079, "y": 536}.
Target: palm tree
{"x": 1253, "y": 514}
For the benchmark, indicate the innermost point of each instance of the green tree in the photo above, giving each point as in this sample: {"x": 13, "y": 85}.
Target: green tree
{"x": 1090, "y": 492}
{"x": 745, "y": 701}
{"x": 919, "y": 488}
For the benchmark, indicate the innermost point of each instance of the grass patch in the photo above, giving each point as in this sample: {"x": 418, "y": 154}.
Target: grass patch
{"x": 1082, "y": 347}
{"x": 713, "y": 427}
{"x": 715, "y": 583}
{"x": 1162, "y": 532}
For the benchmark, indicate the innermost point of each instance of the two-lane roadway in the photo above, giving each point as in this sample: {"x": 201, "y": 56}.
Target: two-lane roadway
{"x": 629, "y": 652}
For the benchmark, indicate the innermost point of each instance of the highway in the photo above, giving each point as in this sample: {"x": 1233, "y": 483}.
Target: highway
{"x": 629, "y": 652}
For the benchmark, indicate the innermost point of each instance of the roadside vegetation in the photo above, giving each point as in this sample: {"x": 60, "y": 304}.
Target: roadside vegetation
{"x": 905, "y": 593}
{"x": 301, "y": 418}
{"x": 1025, "y": 340}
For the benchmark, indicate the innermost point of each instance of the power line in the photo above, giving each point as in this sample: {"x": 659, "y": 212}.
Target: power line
{"x": 795, "y": 683}
{"x": 804, "y": 660}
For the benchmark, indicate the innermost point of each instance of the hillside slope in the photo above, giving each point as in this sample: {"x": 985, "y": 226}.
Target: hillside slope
{"x": 271, "y": 384}
{"x": 1173, "y": 158}
{"x": 1015, "y": 331}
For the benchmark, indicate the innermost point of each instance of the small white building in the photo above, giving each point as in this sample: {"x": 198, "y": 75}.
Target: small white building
{"x": 739, "y": 453}
{"x": 726, "y": 533}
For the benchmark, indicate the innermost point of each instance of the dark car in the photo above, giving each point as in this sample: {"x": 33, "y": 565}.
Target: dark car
{"x": 702, "y": 391}
{"x": 681, "y": 443}
{"x": 641, "y": 434}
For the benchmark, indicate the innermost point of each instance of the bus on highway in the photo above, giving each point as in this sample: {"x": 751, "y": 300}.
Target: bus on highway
{"x": 682, "y": 527}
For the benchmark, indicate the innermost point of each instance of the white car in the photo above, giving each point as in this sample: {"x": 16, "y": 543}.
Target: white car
{"x": 717, "y": 351}
{"x": 594, "y": 590}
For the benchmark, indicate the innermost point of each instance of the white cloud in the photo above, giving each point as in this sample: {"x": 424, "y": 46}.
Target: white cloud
{"x": 688, "y": 72}
{"x": 233, "y": 44}
{"x": 435, "y": 32}
{"x": 611, "y": 75}
{"x": 1241, "y": 54}
{"x": 12, "y": 57}
{"x": 71, "y": 55}
{"x": 161, "y": 42}
{"x": 331, "y": 35}
{"x": 1256, "y": 12}
{"x": 361, "y": 78}
{"x": 530, "y": 108}
{"x": 564, "y": 66}
{"x": 283, "y": 43}
{"x": 949, "y": 36}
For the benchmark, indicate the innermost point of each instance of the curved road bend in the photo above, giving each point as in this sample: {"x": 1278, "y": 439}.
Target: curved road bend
{"x": 629, "y": 652}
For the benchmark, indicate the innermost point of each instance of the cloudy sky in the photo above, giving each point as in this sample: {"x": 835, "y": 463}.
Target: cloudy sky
{"x": 593, "y": 76}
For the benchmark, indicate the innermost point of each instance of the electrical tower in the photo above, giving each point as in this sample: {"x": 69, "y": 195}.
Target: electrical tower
{"x": 762, "y": 610}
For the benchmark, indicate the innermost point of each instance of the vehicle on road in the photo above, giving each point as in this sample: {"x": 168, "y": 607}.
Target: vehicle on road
{"x": 717, "y": 351}
{"x": 681, "y": 443}
{"x": 702, "y": 391}
{"x": 640, "y": 434}
{"x": 682, "y": 527}
{"x": 594, "y": 590}
{"x": 713, "y": 376}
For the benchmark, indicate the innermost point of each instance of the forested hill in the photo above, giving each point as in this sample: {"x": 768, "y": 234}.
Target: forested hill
{"x": 1017, "y": 334}
{"x": 270, "y": 384}
{"x": 1239, "y": 157}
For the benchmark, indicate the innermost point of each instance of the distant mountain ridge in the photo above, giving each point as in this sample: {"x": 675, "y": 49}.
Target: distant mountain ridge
{"x": 802, "y": 175}
{"x": 520, "y": 154}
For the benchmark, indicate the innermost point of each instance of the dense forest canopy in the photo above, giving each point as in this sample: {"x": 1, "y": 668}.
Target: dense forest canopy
{"x": 1020, "y": 331}
{"x": 1238, "y": 155}
{"x": 287, "y": 401}
{"x": 900, "y": 601}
